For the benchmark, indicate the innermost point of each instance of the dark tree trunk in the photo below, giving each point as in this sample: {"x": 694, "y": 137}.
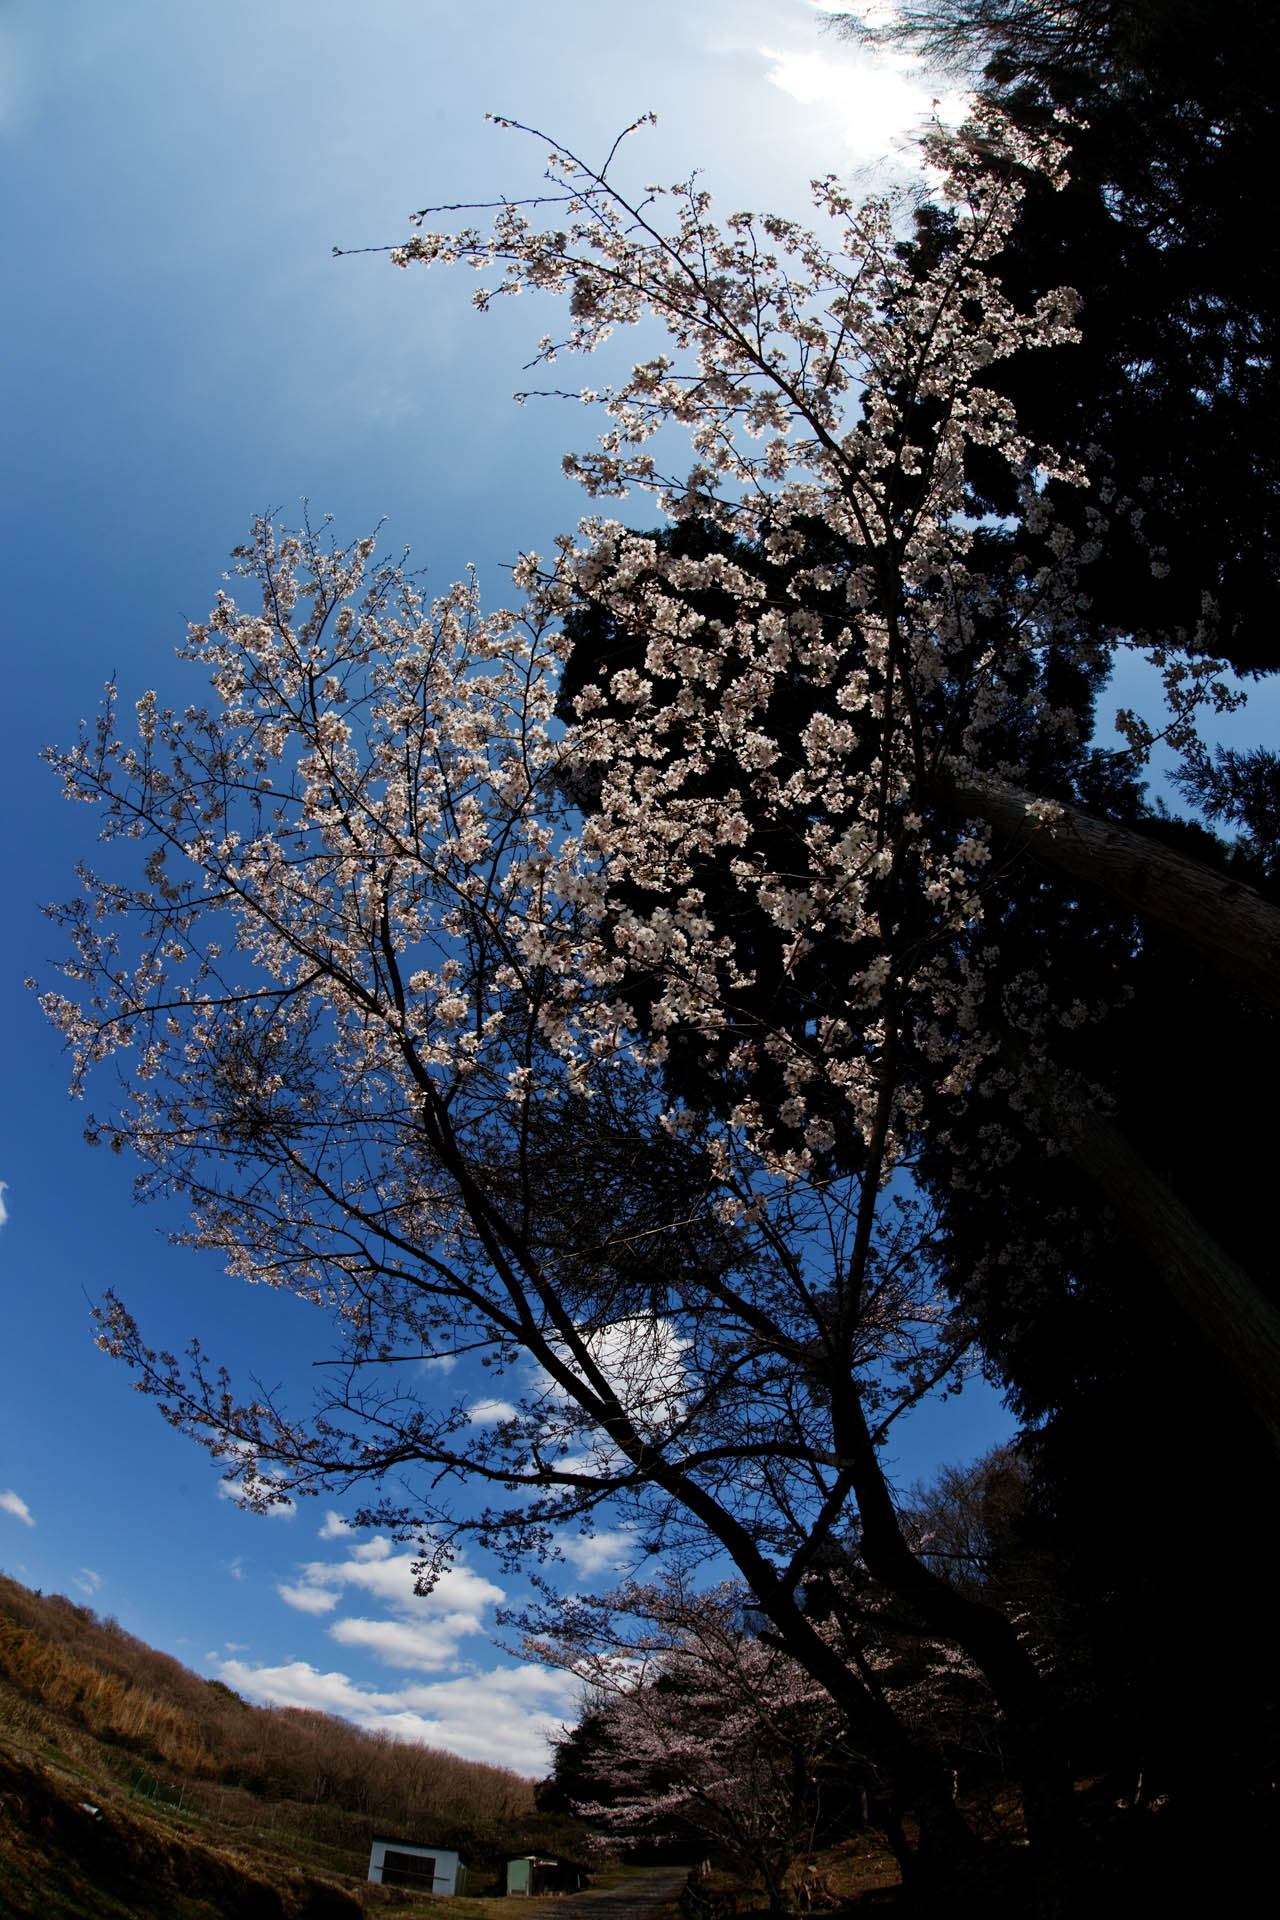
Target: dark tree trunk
{"x": 987, "y": 1636}
{"x": 1218, "y": 1297}
{"x": 949, "y": 1853}
{"x": 1228, "y": 923}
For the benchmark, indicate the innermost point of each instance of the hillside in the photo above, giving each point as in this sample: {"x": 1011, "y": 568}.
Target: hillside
{"x": 131, "y": 1786}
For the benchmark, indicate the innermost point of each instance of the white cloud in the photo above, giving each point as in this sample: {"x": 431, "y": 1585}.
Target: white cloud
{"x": 334, "y": 1527}
{"x": 251, "y": 1480}
{"x": 504, "y": 1716}
{"x": 88, "y": 1581}
{"x": 11, "y": 1502}
{"x": 425, "y": 1644}
{"x": 642, "y": 1357}
{"x": 307, "y": 1599}
{"x": 379, "y": 1548}
{"x": 598, "y": 1552}
{"x": 4, "y": 1211}
{"x": 487, "y": 1413}
{"x": 389, "y": 1577}
{"x": 278, "y": 1510}
{"x": 875, "y": 103}
{"x": 426, "y": 1628}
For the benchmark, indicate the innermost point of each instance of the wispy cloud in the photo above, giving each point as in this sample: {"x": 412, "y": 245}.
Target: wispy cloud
{"x": 487, "y": 1413}
{"x": 334, "y": 1527}
{"x": 88, "y": 1581}
{"x": 278, "y": 1510}
{"x": 426, "y": 1645}
{"x": 252, "y": 1482}
{"x": 375, "y": 1569}
{"x": 4, "y": 1211}
{"x": 307, "y": 1599}
{"x": 590, "y": 1553}
{"x": 425, "y": 1630}
{"x": 11, "y": 1502}
{"x": 504, "y": 1716}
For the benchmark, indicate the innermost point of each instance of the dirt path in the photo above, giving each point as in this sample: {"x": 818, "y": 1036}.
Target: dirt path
{"x": 637, "y": 1897}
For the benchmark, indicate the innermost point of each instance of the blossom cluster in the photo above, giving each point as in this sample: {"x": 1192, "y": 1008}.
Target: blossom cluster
{"x": 415, "y": 961}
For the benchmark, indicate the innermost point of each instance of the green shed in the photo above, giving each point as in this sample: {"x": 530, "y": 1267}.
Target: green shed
{"x": 532, "y": 1873}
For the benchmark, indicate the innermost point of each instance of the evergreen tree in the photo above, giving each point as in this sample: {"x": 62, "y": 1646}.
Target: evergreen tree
{"x": 1170, "y": 118}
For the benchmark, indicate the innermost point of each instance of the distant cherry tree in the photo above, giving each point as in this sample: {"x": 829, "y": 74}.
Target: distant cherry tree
{"x": 702, "y": 1730}
{"x": 699, "y": 1725}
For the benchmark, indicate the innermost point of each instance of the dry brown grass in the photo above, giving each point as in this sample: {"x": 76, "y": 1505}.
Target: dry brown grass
{"x": 64, "y": 1672}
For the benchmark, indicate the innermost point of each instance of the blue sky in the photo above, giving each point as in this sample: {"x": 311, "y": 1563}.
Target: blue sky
{"x": 181, "y": 351}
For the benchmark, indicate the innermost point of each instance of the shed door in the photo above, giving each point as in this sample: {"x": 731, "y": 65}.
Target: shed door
{"x": 409, "y": 1870}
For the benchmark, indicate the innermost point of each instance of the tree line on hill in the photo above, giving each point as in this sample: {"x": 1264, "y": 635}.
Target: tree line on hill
{"x": 85, "y": 1687}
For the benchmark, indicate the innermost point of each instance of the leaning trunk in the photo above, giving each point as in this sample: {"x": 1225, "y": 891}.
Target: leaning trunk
{"x": 988, "y": 1638}
{"x": 949, "y": 1852}
{"x": 1226, "y": 922}
{"x": 1218, "y": 1297}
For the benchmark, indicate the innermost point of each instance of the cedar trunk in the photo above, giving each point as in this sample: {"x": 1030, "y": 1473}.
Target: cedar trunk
{"x": 1226, "y": 922}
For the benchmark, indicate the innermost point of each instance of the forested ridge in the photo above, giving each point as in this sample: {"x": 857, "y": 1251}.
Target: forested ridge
{"x": 734, "y": 992}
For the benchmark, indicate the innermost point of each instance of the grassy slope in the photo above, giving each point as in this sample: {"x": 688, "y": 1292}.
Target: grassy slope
{"x": 59, "y": 1861}
{"x": 277, "y": 1808}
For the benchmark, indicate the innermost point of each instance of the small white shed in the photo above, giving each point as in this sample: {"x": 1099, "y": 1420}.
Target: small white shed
{"x": 403, "y": 1863}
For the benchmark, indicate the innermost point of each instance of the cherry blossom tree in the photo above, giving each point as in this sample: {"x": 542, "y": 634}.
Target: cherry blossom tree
{"x": 703, "y": 1728}
{"x": 697, "y": 1721}
{"x": 837, "y": 397}
{"x": 374, "y": 1048}
{"x": 395, "y": 1007}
